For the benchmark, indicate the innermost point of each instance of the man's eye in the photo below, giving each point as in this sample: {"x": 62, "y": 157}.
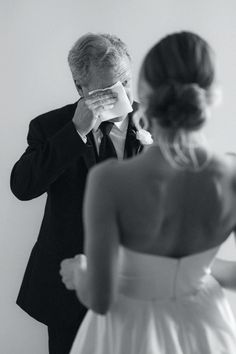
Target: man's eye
{"x": 125, "y": 83}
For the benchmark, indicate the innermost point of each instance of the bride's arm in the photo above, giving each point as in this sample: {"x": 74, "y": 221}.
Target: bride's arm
{"x": 97, "y": 285}
{"x": 225, "y": 273}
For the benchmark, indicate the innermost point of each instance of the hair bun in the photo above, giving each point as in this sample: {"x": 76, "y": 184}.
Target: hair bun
{"x": 177, "y": 106}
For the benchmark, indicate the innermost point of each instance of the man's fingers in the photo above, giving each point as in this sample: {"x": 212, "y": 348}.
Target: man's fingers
{"x": 97, "y": 111}
{"x": 69, "y": 285}
{"x": 68, "y": 279}
{"x": 66, "y": 262}
{"x": 102, "y": 105}
{"x": 101, "y": 93}
{"x": 100, "y": 97}
{"x": 104, "y": 96}
{"x": 100, "y": 102}
{"x": 66, "y": 266}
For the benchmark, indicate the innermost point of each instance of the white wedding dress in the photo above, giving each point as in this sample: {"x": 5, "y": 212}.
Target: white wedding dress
{"x": 164, "y": 306}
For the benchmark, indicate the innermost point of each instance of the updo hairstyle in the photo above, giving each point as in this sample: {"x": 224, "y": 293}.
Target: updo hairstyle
{"x": 180, "y": 73}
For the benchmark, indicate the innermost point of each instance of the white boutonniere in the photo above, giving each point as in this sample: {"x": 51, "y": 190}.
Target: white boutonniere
{"x": 144, "y": 137}
{"x": 142, "y": 134}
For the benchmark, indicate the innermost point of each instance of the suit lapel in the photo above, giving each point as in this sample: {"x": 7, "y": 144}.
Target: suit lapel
{"x": 132, "y": 144}
{"x": 91, "y": 157}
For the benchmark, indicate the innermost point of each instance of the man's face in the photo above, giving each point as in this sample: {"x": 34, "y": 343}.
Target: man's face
{"x": 103, "y": 78}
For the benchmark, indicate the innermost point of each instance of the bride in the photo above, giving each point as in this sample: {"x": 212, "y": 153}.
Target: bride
{"x": 154, "y": 223}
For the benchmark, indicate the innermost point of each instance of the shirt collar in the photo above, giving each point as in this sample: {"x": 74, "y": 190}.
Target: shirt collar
{"x": 122, "y": 126}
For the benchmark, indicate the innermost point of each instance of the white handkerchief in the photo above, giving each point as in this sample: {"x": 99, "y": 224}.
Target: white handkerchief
{"x": 122, "y": 106}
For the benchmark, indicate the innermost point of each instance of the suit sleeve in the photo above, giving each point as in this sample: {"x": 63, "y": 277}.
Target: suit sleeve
{"x": 44, "y": 160}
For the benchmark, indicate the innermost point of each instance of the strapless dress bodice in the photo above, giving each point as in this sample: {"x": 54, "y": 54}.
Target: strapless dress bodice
{"x": 151, "y": 277}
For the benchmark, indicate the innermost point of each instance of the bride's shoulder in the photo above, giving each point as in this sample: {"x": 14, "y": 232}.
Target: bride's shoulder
{"x": 231, "y": 158}
{"x": 228, "y": 160}
{"x": 116, "y": 169}
{"x": 224, "y": 164}
{"x": 114, "y": 176}
{"x": 105, "y": 174}
{"x": 108, "y": 166}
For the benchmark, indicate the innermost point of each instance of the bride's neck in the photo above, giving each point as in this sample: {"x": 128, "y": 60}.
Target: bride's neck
{"x": 182, "y": 149}
{"x": 180, "y": 137}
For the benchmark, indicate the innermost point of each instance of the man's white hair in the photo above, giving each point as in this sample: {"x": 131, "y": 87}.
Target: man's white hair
{"x": 100, "y": 50}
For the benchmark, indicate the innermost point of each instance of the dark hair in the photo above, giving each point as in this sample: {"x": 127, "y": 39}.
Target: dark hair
{"x": 180, "y": 72}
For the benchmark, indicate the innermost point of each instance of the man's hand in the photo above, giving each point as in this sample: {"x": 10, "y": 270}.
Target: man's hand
{"x": 89, "y": 108}
{"x": 67, "y": 273}
{"x": 72, "y": 269}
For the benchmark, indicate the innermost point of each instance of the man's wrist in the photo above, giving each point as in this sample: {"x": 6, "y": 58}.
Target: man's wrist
{"x": 83, "y": 137}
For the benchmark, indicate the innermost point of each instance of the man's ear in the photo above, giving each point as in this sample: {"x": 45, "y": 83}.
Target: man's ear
{"x": 79, "y": 89}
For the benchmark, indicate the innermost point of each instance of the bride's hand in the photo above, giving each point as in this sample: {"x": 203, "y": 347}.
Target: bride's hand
{"x": 72, "y": 269}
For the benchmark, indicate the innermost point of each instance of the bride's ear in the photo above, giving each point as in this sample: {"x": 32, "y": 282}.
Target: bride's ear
{"x": 145, "y": 122}
{"x": 140, "y": 119}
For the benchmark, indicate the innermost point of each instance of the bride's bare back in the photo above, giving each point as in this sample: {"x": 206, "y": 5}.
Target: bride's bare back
{"x": 172, "y": 212}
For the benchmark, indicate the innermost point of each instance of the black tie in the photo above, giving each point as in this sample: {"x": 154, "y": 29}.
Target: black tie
{"x": 106, "y": 149}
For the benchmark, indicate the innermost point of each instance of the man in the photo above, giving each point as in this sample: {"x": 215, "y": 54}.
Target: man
{"x": 62, "y": 146}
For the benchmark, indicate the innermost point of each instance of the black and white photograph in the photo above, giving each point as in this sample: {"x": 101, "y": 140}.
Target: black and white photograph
{"x": 118, "y": 177}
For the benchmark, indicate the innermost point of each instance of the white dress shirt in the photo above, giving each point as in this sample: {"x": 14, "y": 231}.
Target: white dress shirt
{"x": 117, "y": 135}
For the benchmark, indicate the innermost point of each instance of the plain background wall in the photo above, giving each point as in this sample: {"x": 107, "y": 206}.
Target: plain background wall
{"x": 36, "y": 37}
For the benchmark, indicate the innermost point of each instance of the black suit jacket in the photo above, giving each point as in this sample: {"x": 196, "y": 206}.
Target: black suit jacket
{"x": 56, "y": 162}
